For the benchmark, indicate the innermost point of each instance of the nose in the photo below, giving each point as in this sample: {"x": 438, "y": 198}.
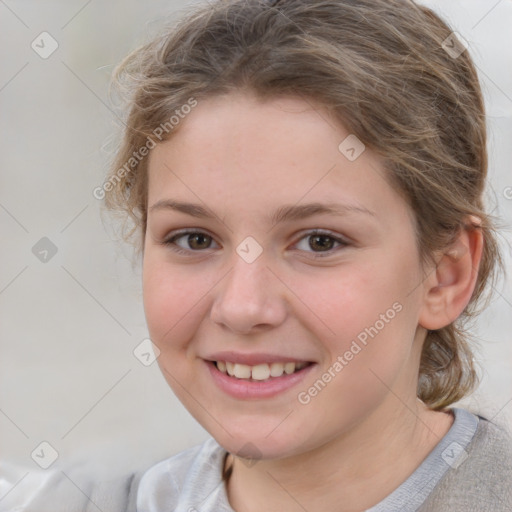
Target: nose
{"x": 249, "y": 298}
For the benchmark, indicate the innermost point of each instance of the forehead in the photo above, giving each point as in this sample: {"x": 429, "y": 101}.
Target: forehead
{"x": 240, "y": 151}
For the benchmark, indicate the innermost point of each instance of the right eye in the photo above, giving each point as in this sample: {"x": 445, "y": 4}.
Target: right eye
{"x": 189, "y": 241}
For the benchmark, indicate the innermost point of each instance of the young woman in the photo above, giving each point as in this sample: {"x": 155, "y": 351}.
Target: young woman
{"x": 305, "y": 180}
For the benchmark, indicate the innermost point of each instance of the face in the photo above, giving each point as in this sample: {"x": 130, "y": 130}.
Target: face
{"x": 267, "y": 244}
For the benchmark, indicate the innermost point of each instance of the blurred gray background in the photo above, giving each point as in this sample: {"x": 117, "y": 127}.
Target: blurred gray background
{"x": 70, "y": 321}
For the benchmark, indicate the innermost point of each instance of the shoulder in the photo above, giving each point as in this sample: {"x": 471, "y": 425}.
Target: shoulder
{"x": 493, "y": 442}
{"x": 482, "y": 477}
{"x": 185, "y": 479}
{"x": 73, "y": 488}
{"x": 176, "y": 480}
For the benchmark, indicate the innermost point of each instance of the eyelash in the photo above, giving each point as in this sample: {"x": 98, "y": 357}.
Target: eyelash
{"x": 171, "y": 242}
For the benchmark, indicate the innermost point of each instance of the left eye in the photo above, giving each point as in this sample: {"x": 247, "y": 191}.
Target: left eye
{"x": 319, "y": 242}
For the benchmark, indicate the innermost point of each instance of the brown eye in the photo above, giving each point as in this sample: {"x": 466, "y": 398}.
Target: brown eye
{"x": 198, "y": 241}
{"x": 189, "y": 241}
{"x": 321, "y": 242}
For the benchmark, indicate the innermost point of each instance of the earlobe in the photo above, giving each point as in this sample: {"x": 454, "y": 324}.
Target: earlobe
{"x": 449, "y": 286}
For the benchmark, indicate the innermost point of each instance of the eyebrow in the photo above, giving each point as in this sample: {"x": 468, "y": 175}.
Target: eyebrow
{"x": 282, "y": 214}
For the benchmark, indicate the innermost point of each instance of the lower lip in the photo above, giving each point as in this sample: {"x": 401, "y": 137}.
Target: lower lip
{"x": 246, "y": 389}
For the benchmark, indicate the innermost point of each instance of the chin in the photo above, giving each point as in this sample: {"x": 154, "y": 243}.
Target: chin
{"x": 253, "y": 445}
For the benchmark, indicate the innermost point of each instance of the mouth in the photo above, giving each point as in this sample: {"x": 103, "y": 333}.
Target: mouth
{"x": 259, "y": 372}
{"x": 259, "y": 381}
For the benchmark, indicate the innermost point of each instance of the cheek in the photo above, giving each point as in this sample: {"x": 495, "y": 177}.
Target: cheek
{"x": 172, "y": 302}
{"x": 368, "y": 318}
{"x": 346, "y": 301}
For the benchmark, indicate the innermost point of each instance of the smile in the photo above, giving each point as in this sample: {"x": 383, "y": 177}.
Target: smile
{"x": 259, "y": 381}
{"x": 259, "y": 372}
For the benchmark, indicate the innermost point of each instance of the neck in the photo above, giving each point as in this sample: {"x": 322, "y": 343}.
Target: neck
{"x": 352, "y": 472}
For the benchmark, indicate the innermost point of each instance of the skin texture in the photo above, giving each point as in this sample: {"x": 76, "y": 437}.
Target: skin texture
{"x": 243, "y": 159}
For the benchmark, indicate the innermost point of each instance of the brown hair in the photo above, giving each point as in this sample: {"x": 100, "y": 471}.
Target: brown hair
{"x": 382, "y": 68}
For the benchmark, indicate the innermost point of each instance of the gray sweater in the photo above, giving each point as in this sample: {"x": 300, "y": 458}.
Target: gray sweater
{"x": 470, "y": 470}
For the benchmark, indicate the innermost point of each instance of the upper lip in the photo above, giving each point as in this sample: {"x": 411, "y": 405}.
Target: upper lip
{"x": 254, "y": 358}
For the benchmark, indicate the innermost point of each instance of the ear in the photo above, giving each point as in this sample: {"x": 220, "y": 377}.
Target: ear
{"x": 449, "y": 286}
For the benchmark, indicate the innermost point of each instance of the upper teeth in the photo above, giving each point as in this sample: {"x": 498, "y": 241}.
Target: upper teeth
{"x": 258, "y": 371}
